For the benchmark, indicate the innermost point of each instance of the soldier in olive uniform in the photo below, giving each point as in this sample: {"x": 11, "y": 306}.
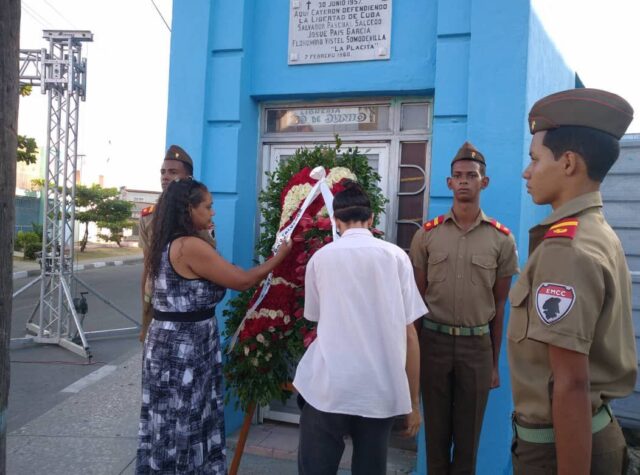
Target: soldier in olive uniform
{"x": 570, "y": 338}
{"x": 463, "y": 263}
{"x": 177, "y": 164}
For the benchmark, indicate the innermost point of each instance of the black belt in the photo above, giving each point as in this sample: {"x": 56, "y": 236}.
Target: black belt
{"x": 196, "y": 316}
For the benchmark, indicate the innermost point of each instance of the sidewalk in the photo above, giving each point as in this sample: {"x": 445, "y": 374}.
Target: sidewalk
{"x": 93, "y": 432}
{"x": 91, "y": 259}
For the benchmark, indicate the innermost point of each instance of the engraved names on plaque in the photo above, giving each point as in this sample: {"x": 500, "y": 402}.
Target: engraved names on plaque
{"x": 333, "y": 31}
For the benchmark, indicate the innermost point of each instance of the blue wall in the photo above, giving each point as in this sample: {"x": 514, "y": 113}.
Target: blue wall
{"x": 484, "y": 61}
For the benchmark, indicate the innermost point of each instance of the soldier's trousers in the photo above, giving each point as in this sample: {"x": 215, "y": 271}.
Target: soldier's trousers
{"x": 455, "y": 376}
{"x": 608, "y": 454}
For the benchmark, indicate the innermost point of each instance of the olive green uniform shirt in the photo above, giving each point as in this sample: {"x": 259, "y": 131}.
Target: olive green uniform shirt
{"x": 461, "y": 267}
{"x": 574, "y": 293}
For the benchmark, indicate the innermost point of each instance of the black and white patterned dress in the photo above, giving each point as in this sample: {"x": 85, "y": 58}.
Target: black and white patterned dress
{"x": 182, "y": 417}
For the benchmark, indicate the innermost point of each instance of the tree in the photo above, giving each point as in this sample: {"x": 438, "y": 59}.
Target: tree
{"x": 115, "y": 215}
{"x": 9, "y": 82}
{"x": 102, "y": 206}
{"x": 27, "y": 150}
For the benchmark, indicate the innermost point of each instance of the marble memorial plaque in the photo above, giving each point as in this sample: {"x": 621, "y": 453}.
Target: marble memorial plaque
{"x": 333, "y": 31}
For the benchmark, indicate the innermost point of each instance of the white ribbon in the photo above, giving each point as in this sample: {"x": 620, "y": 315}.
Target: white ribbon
{"x": 320, "y": 187}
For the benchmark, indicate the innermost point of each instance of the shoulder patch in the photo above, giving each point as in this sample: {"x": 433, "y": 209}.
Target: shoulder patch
{"x": 429, "y": 225}
{"x": 565, "y": 228}
{"x": 147, "y": 211}
{"x": 554, "y": 301}
{"x": 500, "y": 227}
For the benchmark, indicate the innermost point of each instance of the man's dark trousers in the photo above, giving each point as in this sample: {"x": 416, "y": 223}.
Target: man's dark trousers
{"x": 455, "y": 376}
{"x": 322, "y": 442}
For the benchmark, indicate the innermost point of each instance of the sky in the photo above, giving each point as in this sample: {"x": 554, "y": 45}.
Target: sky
{"x": 122, "y": 124}
{"x": 123, "y": 120}
{"x": 600, "y": 41}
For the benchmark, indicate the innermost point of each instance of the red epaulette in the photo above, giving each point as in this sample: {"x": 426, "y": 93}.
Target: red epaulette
{"x": 500, "y": 227}
{"x": 147, "y": 211}
{"x": 565, "y": 228}
{"x": 429, "y": 225}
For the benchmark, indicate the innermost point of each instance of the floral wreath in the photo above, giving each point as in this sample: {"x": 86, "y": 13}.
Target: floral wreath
{"x": 273, "y": 337}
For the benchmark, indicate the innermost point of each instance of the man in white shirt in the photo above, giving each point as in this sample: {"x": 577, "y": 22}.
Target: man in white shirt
{"x": 363, "y": 369}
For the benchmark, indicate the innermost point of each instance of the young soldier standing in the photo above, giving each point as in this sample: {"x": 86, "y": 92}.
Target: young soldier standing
{"x": 570, "y": 336}
{"x": 177, "y": 164}
{"x": 463, "y": 263}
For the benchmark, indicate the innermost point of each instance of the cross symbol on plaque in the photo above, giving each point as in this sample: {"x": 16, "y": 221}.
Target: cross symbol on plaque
{"x": 308, "y": 4}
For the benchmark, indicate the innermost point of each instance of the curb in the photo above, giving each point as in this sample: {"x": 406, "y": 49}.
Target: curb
{"x": 79, "y": 267}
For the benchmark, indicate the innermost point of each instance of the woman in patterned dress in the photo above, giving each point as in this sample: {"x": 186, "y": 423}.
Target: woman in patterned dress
{"x": 182, "y": 417}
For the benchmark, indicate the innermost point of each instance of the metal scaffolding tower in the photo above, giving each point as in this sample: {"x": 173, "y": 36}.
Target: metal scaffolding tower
{"x": 61, "y": 73}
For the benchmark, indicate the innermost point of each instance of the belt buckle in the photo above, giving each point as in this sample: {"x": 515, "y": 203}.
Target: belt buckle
{"x": 455, "y": 331}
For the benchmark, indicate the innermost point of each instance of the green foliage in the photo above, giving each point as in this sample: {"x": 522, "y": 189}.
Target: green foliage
{"x": 37, "y": 228}
{"x": 259, "y": 379}
{"x": 30, "y": 242}
{"x": 25, "y": 89}
{"x": 27, "y": 150}
{"x": 95, "y": 204}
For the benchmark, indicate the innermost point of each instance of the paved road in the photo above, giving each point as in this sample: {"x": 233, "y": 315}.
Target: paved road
{"x": 40, "y": 373}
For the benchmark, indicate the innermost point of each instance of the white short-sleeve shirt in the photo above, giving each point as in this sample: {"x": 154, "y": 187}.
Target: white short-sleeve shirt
{"x": 362, "y": 293}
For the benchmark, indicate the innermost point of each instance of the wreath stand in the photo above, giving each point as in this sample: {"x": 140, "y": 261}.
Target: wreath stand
{"x": 244, "y": 433}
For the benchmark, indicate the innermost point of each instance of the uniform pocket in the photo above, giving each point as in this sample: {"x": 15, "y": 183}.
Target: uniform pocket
{"x": 483, "y": 270}
{"x": 519, "y": 319}
{"x": 437, "y": 267}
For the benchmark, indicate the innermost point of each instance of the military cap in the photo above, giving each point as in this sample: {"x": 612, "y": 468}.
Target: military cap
{"x": 468, "y": 152}
{"x": 582, "y": 107}
{"x": 177, "y": 153}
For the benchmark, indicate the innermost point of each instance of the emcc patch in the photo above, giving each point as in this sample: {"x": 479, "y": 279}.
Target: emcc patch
{"x": 554, "y": 301}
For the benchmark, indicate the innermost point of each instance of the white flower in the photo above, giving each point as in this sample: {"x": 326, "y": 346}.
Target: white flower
{"x": 260, "y": 338}
{"x": 296, "y": 194}
{"x": 246, "y": 351}
{"x": 268, "y": 356}
{"x": 287, "y": 319}
{"x": 272, "y": 314}
{"x": 271, "y": 329}
{"x": 338, "y": 173}
{"x": 254, "y": 361}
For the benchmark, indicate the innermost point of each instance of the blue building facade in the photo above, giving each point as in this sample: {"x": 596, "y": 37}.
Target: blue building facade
{"x": 457, "y": 70}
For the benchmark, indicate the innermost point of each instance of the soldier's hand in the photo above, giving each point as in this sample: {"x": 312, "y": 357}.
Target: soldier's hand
{"x": 495, "y": 378}
{"x": 413, "y": 420}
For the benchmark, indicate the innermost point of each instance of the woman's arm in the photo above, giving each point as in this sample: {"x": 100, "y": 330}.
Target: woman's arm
{"x": 206, "y": 263}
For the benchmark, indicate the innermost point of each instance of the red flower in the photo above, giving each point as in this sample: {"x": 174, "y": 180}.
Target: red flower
{"x": 305, "y": 222}
{"x": 302, "y": 258}
{"x": 323, "y": 224}
{"x": 310, "y": 337}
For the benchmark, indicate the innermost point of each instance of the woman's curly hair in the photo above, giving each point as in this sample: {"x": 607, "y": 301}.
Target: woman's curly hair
{"x": 172, "y": 218}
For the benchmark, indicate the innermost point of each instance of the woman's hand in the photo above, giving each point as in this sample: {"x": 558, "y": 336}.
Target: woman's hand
{"x": 284, "y": 250}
